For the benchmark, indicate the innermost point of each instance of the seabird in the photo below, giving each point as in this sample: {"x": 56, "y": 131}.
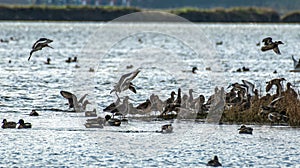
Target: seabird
{"x": 78, "y": 106}
{"x": 40, "y": 44}
{"x": 215, "y": 162}
{"x": 270, "y": 45}
{"x": 125, "y": 82}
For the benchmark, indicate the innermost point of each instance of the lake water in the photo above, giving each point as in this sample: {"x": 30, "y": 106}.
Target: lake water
{"x": 163, "y": 52}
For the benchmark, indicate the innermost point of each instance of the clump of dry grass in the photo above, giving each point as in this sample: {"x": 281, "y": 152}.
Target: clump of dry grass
{"x": 288, "y": 104}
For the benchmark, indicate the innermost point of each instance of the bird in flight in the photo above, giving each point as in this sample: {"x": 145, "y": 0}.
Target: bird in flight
{"x": 39, "y": 45}
{"x": 125, "y": 82}
{"x": 270, "y": 45}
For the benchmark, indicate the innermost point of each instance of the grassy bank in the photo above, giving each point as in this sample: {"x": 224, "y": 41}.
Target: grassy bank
{"x": 107, "y": 13}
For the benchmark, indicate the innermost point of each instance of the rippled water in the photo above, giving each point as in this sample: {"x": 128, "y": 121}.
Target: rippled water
{"x": 163, "y": 52}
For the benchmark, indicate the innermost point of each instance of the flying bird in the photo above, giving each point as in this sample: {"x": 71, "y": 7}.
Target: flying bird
{"x": 270, "y": 45}
{"x": 78, "y": 105}
{"x": 125, "y": 83}
{"x": 39, "y": 45}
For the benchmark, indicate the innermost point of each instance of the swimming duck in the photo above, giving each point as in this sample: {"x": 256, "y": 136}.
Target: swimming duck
{"x": 39, "y": 45}
{"x": 215, "y": 162}
{"x": 10, "y": 124}
{"x": 167, "y": 128}
{"x": 74, "y": 59}
{"x": 270, "y": 45}
{"x": 112, "y": 121}
{"x": 91, "y": 113}
{"x": 296, "y": 63}
{"x": 69, "y": 60}
{"x": 34, "y": 113}
{"x": 22, "y": 124}
{"x": 125, "y": 83}
{"x": 48, "y": 61}
{"x": 93, "y": 125}
{"x": 245, "y": 130}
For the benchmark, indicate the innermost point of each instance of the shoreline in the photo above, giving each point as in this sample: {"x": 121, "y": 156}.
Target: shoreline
{"x": 108, "y": 13}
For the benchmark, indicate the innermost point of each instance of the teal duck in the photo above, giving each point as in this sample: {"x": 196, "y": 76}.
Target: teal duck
{"x": 8, "y": 124}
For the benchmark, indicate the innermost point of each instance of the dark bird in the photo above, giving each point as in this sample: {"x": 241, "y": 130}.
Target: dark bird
{"x": 48, "y": 61}
{"x": 22, "y": 124}
{"x": 215, "y": 162}
{"x": 277, "y": 83}
{"x": 8, "y": 124}
{"x": 34, "y": 113}
{"x": 271, "y": 107}
{"x": 145, "y": 107}
{"x": 39, "y": 45}
{"x": 245, "y": 130}
{"x": 78, "y": 106}
{"x": 125, "y": 82}
{"x": 167, "y": 128}
{"x": 112, "y": 106}
{"x": 270, "y": 45}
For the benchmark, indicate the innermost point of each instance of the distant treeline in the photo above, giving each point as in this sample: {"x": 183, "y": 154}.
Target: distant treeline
{"x": 89, "y": 13}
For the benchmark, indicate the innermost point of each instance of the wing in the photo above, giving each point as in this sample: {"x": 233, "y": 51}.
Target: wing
{"x": 132, "y": 88}
{"x": 273, "y": 102}
{"x": 68, "y": 96}
{"x": 250, "y": 86}
{"x": 39, "y": 40}
{"x": 128, "y": 80}
{"x": 267, "y": 47}
{"x": 31, "y": 54}
{"x": 269, "y": 86}
{"x": 82, "y": 98}
{"x": 276, "y": 50}
{"x": 267, "y": 40}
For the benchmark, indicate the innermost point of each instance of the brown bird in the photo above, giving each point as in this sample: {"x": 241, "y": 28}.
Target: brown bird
{"x": 39, "y": 45}
{"x": 277, "y": 83}
{"x": 270, "y": 45}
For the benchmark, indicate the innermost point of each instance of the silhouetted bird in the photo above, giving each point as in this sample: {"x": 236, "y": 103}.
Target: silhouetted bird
{"x": 39, "y": 45}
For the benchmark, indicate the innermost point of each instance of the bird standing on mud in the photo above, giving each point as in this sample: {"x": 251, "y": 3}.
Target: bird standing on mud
{"x": 39, "y": 45}
{"x": 270, "y": 45}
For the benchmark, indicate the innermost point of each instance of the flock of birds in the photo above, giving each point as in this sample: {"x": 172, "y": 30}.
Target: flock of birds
{"x": 241, "y": 95}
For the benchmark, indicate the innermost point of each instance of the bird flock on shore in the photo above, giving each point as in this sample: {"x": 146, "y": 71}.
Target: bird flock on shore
{"x": 179, "y": 105}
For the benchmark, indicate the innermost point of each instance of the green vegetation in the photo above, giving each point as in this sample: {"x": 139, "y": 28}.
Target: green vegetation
{"x": 107, "y": 13}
